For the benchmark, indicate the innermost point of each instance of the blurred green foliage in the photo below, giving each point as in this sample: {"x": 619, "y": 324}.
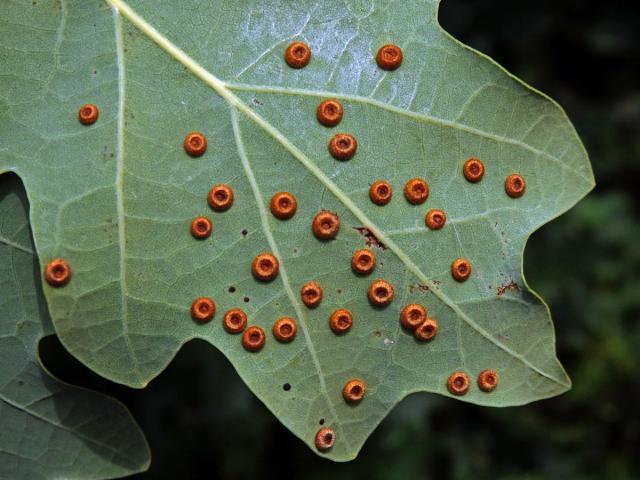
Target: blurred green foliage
{"x": 202, "y": 422}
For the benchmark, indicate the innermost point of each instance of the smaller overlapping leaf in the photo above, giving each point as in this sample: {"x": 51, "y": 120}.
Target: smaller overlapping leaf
{"x": 48, "y": 429}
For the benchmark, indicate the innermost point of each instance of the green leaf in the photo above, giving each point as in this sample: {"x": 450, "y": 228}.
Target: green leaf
{"x": 116, "y": 199}
{"x": 48, "y": 429}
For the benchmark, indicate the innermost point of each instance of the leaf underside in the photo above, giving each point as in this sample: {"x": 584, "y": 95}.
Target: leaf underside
{"x": 116, "y": 199}
{"x": 48, "y": 429}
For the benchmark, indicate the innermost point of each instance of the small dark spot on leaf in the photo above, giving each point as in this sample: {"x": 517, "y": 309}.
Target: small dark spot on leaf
{"x": 377, "y": 333}
{"x": 503, "y": 338}
{"x": 372, "y": 240}
{"x": 338, "y": 290}
{"x": 244, "y": 232}
{"x": 420, "y": 288}
{"x": 20, "y": 383}
{"x": 246, "y": 299}
{"x": 232, "y": 289}
{"x": 286, "y": 387}
{"x": 321, "y": 422}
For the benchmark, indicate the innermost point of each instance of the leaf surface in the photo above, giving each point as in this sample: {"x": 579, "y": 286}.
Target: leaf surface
{"x": 48, "y": 429}
{"x": 116, "y": 199}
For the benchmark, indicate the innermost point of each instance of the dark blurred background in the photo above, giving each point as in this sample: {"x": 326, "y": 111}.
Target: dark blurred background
{"x": 203, "y": 423}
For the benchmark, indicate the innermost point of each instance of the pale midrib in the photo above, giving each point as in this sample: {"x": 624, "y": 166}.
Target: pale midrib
{"x": 264, "y": 218}
{"x": 119, "y": 187}
{"x": 422, "y": 117}
{"x": 221, "y": 88}
{"x": 62, "y": 427}
{"x": 15, "y": 245}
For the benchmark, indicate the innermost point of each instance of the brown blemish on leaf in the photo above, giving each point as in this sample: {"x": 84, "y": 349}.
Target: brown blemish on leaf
{"x": 354, "y": 390}
{"x": 195, "y": 144}
{"x": 297, "y": 55}
{"x": 311, "y": 294}
{"x": 201, "y": 227}
{"x": 253, "y": 339}
{"x": 326, "y": 225}
{"x": 234, "y": 321}
{"x": 502, "y": 289}
{"x": 329, "y": 112}
{"x": 343, "y": 146}
{"x": 458, "y": 383}
{"x": 372, "y": 240}
{"x": 420, "y": 288}
{"x": 416, "y": 191}
{"x": 341, "y": 321}
{"x": 473, "y": 170}
{"x": 389, "y": 57}
{"x": 265, "y": 267}
{"x": 203, "y": 309}
{"x": 57, "y": 273}
{"x": 380, "y": 293}
{"x": 380, "y": 192}
{"x": 220, "y": 197}
{"x": 283, "y": 205}
{"x": 515, "y": 185}
{"x": 88, "y": 114}
{"x": 363, "y": 261}
{"x": 285, "y": 329}
{"x": 325, "y": 439}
